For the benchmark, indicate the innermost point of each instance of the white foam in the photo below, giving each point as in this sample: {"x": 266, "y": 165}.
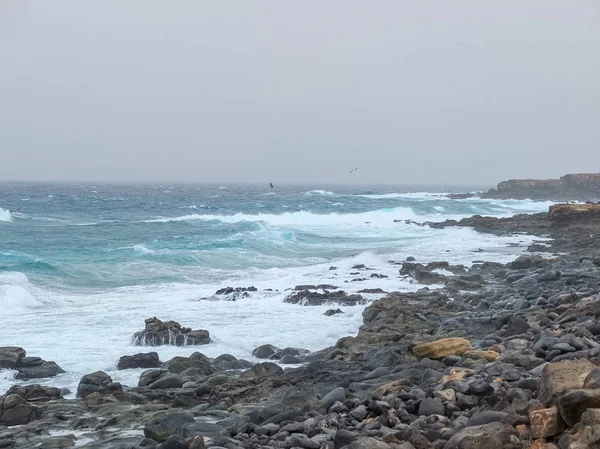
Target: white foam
{"x": 319, "y": 192}
{"x": 5, "y": 215}
{"x": 89, "y": 332}
{"x": 384, "y": 217}
{"x": 412, "y": 195}
{"x": 16, "y": 294}
{"x": 141, "y": 248}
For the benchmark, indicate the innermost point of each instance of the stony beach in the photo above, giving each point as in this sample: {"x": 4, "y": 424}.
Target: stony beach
{"x": 488, "y": 356}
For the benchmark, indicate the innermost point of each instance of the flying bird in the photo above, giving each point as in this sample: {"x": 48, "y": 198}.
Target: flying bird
{"x": 353, "y": 170}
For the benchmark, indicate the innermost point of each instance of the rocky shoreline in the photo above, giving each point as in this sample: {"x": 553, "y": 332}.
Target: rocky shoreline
{"x": 488, "y": 356}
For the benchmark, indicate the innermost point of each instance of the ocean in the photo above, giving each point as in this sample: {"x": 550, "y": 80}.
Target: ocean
{"x": 82, "y": 266}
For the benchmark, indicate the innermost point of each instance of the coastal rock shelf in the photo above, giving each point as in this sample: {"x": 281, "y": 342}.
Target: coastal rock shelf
{"x": 157, "y": 333}
{"x": 581, "y": 186}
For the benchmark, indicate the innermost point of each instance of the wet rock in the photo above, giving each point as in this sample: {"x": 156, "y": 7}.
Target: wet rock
{"x": 161, "y": 427}
{"x": 313, "y": 298}
{"x": 526, "y": 261}
{"x": 98, "y": 382}
{"x": 157, "y": 333}
{"x": 442, "y": 348}
{"x": 142, "y": 360}
{"x": 166, "y": 381}
{"x": 372, "y": 291}
{"x": 35, "y": 392}
{"x": 197, "y": 360}
{"x": 262, "y": 370}
{"x": 265, "y": 351}
{"x": 332, "y": 312}
{"x": 14, "y": 358}
{"x": 10, "y": 356}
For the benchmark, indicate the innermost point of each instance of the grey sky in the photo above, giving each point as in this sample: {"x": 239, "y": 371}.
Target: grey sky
{"x": 410, "y": 91}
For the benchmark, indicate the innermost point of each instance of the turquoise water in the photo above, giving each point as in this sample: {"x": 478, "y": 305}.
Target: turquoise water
{"x": 81, "y": 266}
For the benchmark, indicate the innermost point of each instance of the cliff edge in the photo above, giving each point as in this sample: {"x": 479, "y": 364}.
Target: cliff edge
{"x": 581, "y": 186}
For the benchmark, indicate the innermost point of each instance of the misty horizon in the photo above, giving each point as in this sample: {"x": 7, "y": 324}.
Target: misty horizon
{"x": 413, "y": 94}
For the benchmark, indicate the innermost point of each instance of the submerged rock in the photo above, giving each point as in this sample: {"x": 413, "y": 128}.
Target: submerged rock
{"x": 159, "y": 332}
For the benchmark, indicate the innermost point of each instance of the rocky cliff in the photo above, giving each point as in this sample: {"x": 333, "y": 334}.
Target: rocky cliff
{"x": 583, "y": 186}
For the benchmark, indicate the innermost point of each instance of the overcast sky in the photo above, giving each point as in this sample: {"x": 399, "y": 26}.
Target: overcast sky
{"x": 462, "y": 91}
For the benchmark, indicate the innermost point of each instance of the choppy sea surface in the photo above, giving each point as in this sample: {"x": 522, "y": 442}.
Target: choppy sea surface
{"x": 82, "y": 266}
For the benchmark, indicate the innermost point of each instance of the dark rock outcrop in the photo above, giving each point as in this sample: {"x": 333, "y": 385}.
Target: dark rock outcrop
{"x": 583, "y": 186}
{"x": 98, "y": 382}
{"x": 159, "y": 332}
{"x": 141, "y": 360}
{"x": 315, "y": 298}
{"x": 15, "y": 358}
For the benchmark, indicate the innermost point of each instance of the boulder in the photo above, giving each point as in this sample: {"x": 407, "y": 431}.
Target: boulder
{"x": 14, "y": 411}
{"x": 573, "y": 403}
{"x": 336, "y": 395}
{"x": 265, "y": 351}
{"x": 262, "y": 369}
{"x": 368, "y": 443}
{"x": 488, "y": 436}
{"x": 545, "y": 422}
{"x": 174, "y": 442}
{"x": 14, "y": 358}
{"x": 166, "y": 381}
{"x": 559, "y": 377}
{"x": 432, "y": 406}
{"x": 442, "y": 348}
{"x": 98, "y": 382}
{"x": 315, "y": 298}
{"x": 10, "y": 356}
{"x": 178, "y": 365}
{"x": 161, "y": 427}
{"x": 35, "y": 392}
{"x": 141, "y": 360}
{"x": 158, "y": 333}
{"x": 516, "y": 325}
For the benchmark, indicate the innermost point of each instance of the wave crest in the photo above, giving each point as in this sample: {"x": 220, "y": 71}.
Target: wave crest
{"x": 5, "y": 215}
{"x": 15, "y": 293}
{"x": 319, "y": 192}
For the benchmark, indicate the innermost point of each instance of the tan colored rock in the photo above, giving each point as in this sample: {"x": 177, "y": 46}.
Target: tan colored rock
{"x": 392, "y": 387}
{"x": 591, "y": 417}
{"x": 442, "y": 348}
{"x": 456, "y": 374}
{"x": 545, "y": 422}
{"x": 448, "y": 394}
{"x": 559, "y": 377}
{"x": 488, "y": 356}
